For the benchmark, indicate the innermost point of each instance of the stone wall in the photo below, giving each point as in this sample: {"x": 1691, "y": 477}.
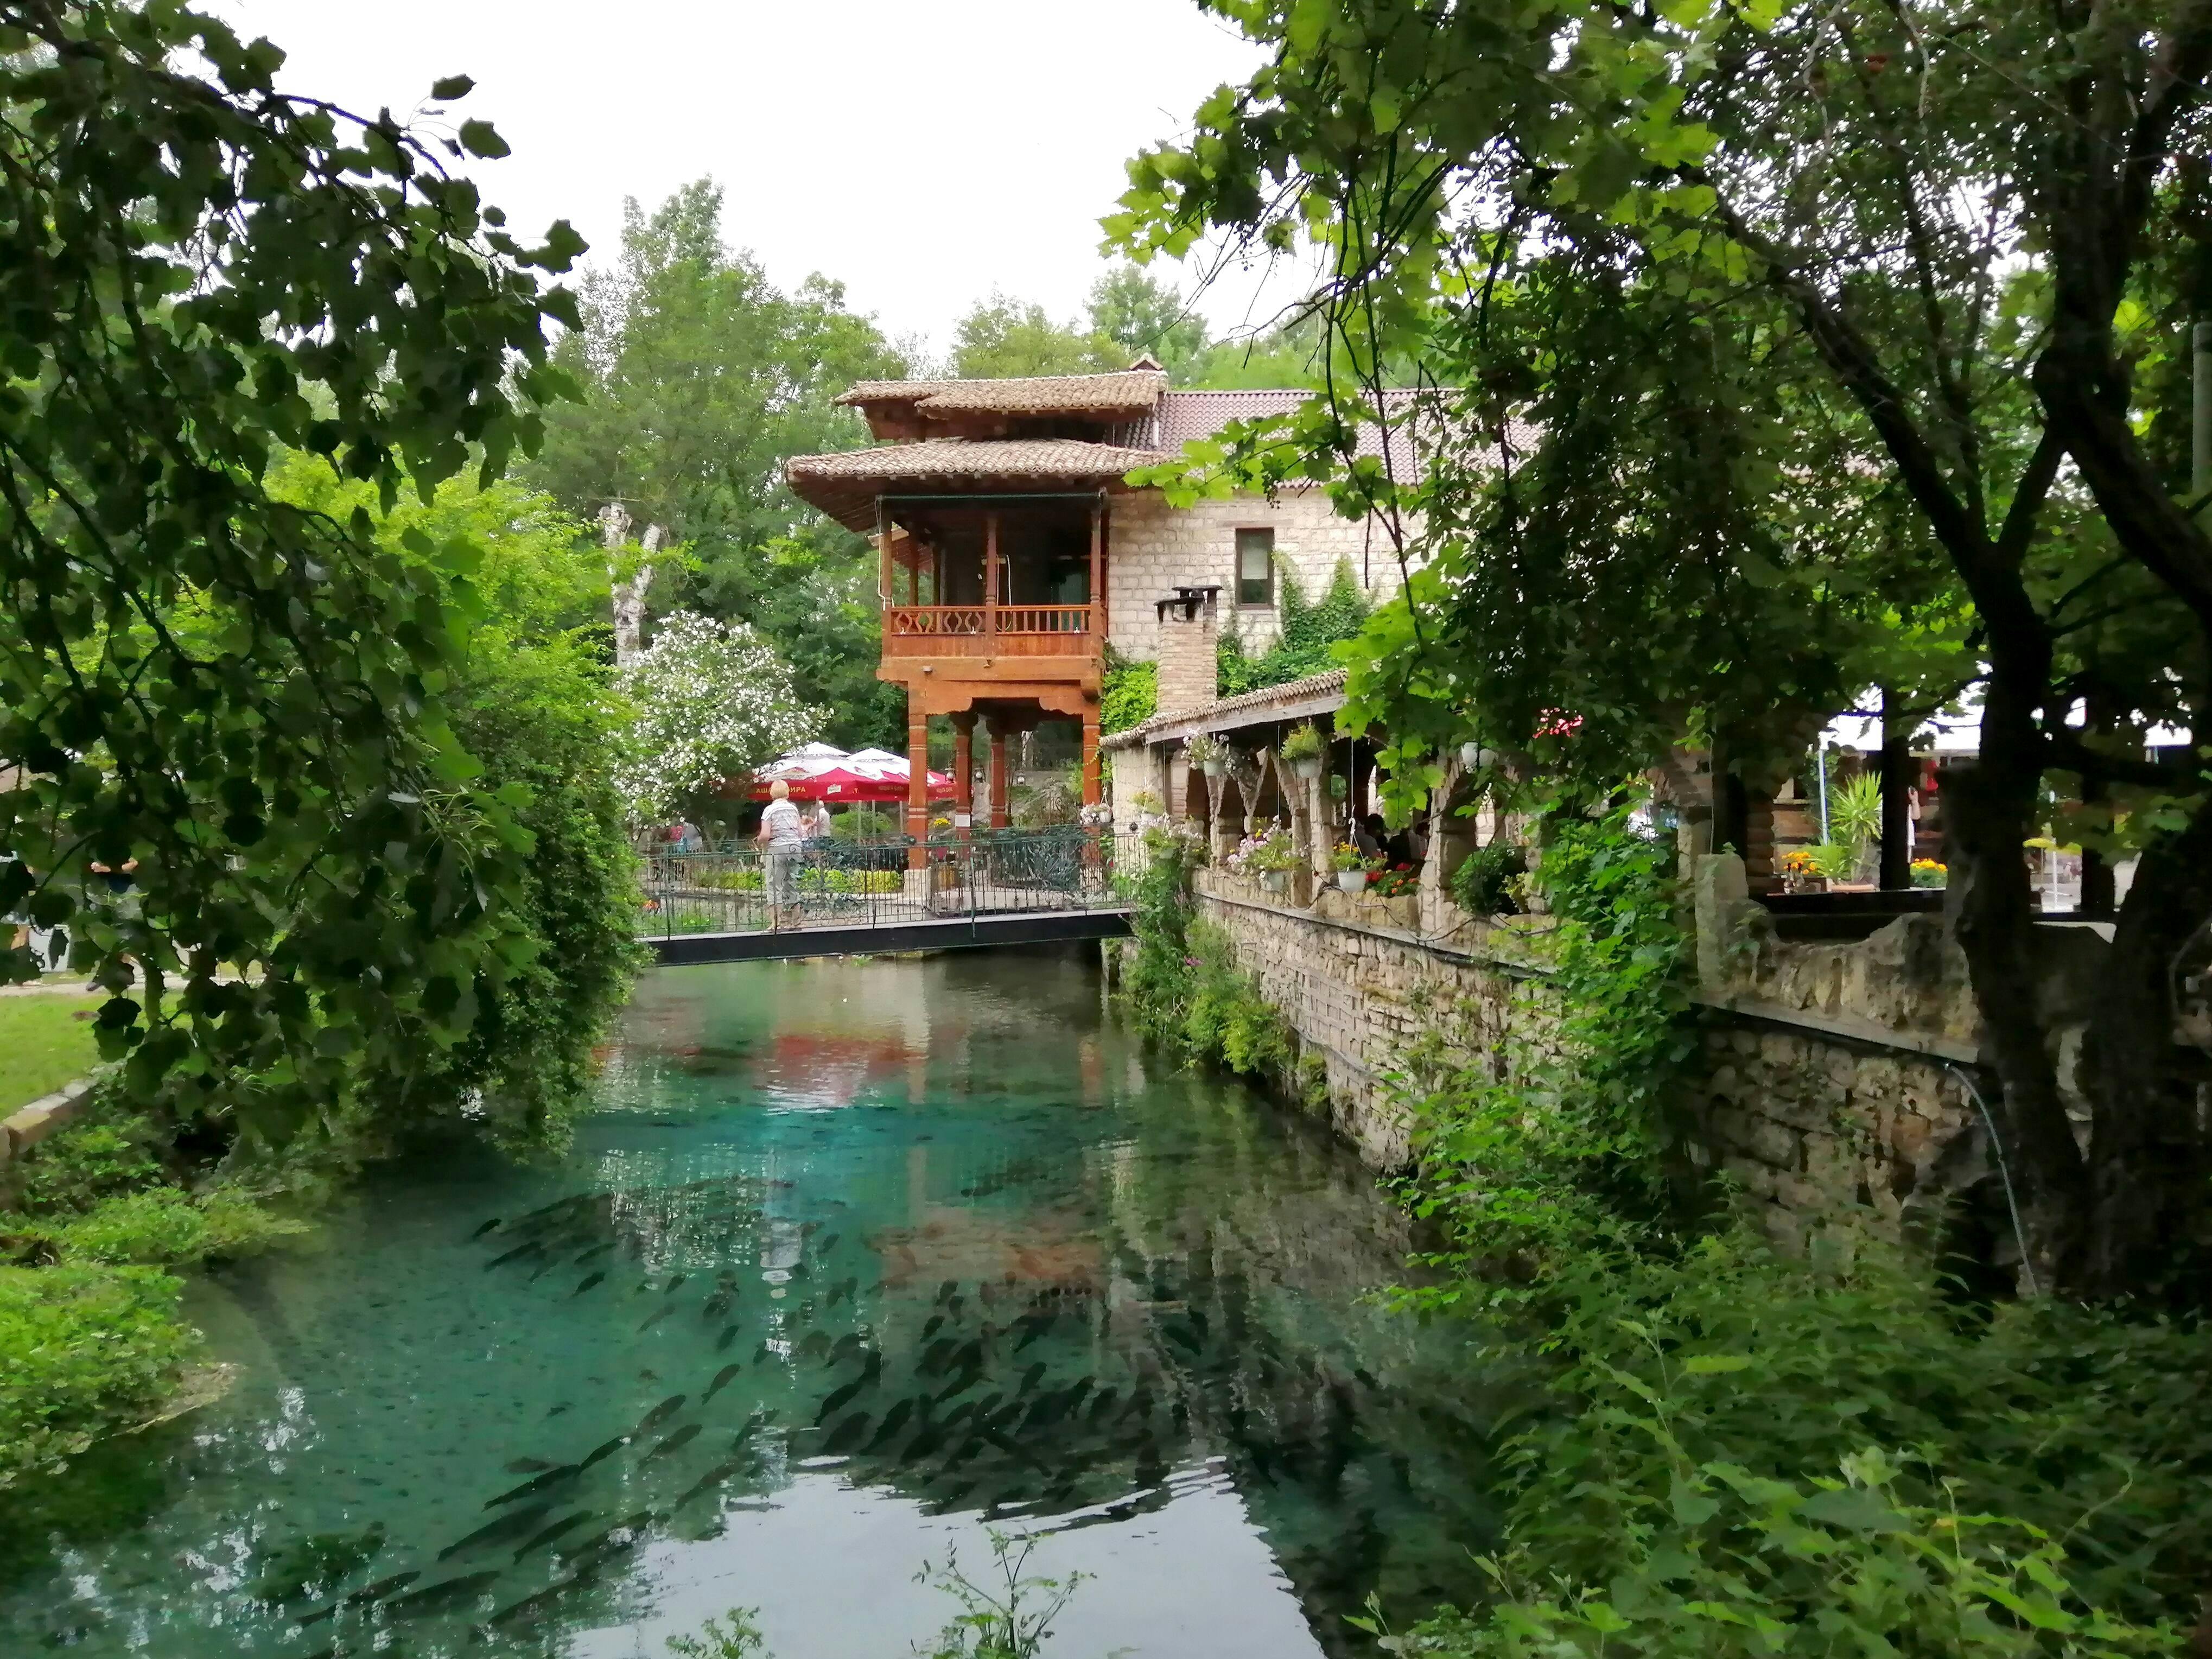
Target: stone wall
{"x": 1155, "y": 547}
{"x": 1358, "y": 987}
{"x": 1831, "y": 1083}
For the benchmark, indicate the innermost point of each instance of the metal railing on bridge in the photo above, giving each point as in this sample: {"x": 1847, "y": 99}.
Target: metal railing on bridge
{"x": 743, "y": 887}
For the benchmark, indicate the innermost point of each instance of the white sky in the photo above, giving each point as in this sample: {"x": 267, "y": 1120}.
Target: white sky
{"x": 923, "y": 152}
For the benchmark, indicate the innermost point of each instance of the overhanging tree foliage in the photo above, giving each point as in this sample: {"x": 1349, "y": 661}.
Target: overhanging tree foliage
{"x": 1828, "y": 318}
{"x": 230, "y": 696}
{"x": 701, "y": 378}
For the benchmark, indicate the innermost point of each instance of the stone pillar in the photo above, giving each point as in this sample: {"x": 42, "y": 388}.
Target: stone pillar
{"x": 1187, "y": 667}
{"x": 917, "y": 788}
{"x": 1090, "y": 754}
{"x": 1000, "y": 816}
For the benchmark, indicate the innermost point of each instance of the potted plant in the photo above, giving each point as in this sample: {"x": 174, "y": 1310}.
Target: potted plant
{"x": 1350, "y": 866}
{"x": 1302, "y": 750}
{"x": 1208, "y": 753}
{"x": 1927, "y": 872}
{"x": 1275, "y": 855}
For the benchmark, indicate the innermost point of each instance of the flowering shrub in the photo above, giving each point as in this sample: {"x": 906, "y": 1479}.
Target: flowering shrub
{"x": 710, "y": 700}
{"x": 1927, "y": 872}
{"x": 1270, "y": 850}
{"x": 1347, "y": 857}
{"x": 1394, "y": 881}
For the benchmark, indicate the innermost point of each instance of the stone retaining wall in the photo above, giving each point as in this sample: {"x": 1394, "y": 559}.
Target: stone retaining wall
{"x": 1830, "y": 1075}
{"x": 27, "y": 1126}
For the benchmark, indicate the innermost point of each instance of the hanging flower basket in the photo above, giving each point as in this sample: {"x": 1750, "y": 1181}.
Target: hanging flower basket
{"x": 1352, "y": 881}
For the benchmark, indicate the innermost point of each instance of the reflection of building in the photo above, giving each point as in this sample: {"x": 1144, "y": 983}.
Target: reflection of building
{"x": 1013, "y": 547}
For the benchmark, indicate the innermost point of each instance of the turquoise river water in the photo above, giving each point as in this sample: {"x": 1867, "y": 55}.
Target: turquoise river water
{"x": 854, "y": 1263}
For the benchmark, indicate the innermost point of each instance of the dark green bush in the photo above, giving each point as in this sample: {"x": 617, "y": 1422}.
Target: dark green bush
{"x": 1479, "y": 885}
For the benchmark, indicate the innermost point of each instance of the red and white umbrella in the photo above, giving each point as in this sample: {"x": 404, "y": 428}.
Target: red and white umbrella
{"x": 818, "y": 771}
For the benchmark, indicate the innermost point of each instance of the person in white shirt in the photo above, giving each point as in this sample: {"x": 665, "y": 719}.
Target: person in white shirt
{"x": 819, "y": 826}
{"x": 783, "y": 835}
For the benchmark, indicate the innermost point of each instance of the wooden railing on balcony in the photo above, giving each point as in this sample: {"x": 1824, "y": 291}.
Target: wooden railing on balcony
{"x": 976, "y": 630}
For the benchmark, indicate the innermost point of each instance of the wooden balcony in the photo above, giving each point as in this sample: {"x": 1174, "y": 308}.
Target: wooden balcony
{"x": 941, "y": 631}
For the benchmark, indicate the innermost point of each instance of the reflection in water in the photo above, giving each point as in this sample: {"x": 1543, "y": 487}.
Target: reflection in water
{"x": 857, "y": 1259}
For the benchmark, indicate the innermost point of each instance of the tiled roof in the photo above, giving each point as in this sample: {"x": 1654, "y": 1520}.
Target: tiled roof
{"x": 1132, "y": 392}
{"x": 1224, "y": 712}
{"x": 844, "y": 485}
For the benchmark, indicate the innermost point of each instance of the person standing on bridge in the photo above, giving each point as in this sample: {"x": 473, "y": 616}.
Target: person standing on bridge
{"x": 784, "y": 837}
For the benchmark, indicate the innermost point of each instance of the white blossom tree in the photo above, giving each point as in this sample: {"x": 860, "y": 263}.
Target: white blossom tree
{"x": 711, "y": 700}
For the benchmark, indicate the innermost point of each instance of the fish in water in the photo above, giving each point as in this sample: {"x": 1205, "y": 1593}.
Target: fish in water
{"x": 590, "y": 1280}
{"x": 960, "y": 1384}
{"x": 713, "y": 1478}
{"x": 674, "y": 1283}
{"x": 729, "y": 1335}
{"x": 676, "y": 1442}
{"x": 1031, "y": 1377}
{"x": 1141, "y": 1404}
{"x": 488, "y": 1227}
{"x": 608, "y": 1450}
{"x": 660, "y": 1413}
{"x": 594, "y": 1253}
{"x": 717, "y": 1304}
{"x": 945, "y": 1289}
{"x": 935, "y": 1356}
{"x": 551, "y": 1478}
{"x": 450, "y": 1594}
{"x": 847, "y": 1435}
{"x": 652, "y": 1319}
{"x": 530, "y": 1606}
{"x": 635, "y": 1525}
{"x": 763, "y": 1353}
{"x": 380, "y": 1588}
{"x": 529, "y": 1466}
{"x": 722, "y": 1380}
{"x": 1075, "y": 1395}
{"x": 545, "y": 1535}
{"x": 1103, "y": 1403}
{"x": 894, "y": 1420}
{"x": 1037, "y": 1324}
{"x": 828, "y": 1244}
{"x": 926, "y": 1439}
{"x": 930, "y": 1329}
{"x": 515, "y": 1254}
{"x": 816, "y": 1345}
{"x": 556, "y": 1409}
{"x": 845, "y": 1347}
{"x": 839, "y": 1398}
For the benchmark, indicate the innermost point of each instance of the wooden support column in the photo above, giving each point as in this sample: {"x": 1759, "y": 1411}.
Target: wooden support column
{"x": 1092, "y": 791}
{"x": 1097, "y": 589}
{"x": 1000, "y": 818}
{"x": 917, "y": 789}
{"x": 883, "y": 581}
{"x": 963, "y": 772}
{"x": 991, "y": 597}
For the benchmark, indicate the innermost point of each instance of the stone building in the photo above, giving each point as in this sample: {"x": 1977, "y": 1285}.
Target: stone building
{"x": 1014, "y": 550}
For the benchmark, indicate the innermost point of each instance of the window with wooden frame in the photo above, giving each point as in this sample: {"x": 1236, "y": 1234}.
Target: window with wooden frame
{"x": 1255, "y": 569}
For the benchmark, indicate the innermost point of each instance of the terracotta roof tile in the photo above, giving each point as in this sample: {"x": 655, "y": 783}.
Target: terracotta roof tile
{"x": 1254, "y": 704}
{"x": 1132, "y": 392}
{"x": 844, "y": 485}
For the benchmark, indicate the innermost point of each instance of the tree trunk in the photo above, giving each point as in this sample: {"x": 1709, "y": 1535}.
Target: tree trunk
{"x": 1993, "y": 803}
{"x": 2148, "y": 1164}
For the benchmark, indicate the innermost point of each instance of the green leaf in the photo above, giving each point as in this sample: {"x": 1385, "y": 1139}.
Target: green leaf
{"x": 478, "y": 138}
{"x": 451, "y": 88}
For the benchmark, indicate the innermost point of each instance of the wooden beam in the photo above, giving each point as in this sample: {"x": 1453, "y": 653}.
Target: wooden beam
{"x": 1098, "y": 577}
{"x": 917, "y": 792}
{"x": 990, "y": 576}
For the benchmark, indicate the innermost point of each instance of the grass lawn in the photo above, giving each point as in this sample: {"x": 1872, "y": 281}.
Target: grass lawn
{"x": 43, "y": 1044}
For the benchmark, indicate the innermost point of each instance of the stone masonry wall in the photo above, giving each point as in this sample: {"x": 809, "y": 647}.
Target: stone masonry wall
{"x": 1829, "y": 1082}
{"x": 1155, "y": 547}
{"x": 1358, "y": 992}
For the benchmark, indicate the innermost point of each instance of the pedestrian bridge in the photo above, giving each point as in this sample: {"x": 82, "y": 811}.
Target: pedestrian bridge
{"x": 1007, "y": 887}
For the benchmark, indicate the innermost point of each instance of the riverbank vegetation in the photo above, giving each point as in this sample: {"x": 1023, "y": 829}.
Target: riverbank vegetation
{"x": 307, "y": 719}
{"x": 1727, "y": 1450}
